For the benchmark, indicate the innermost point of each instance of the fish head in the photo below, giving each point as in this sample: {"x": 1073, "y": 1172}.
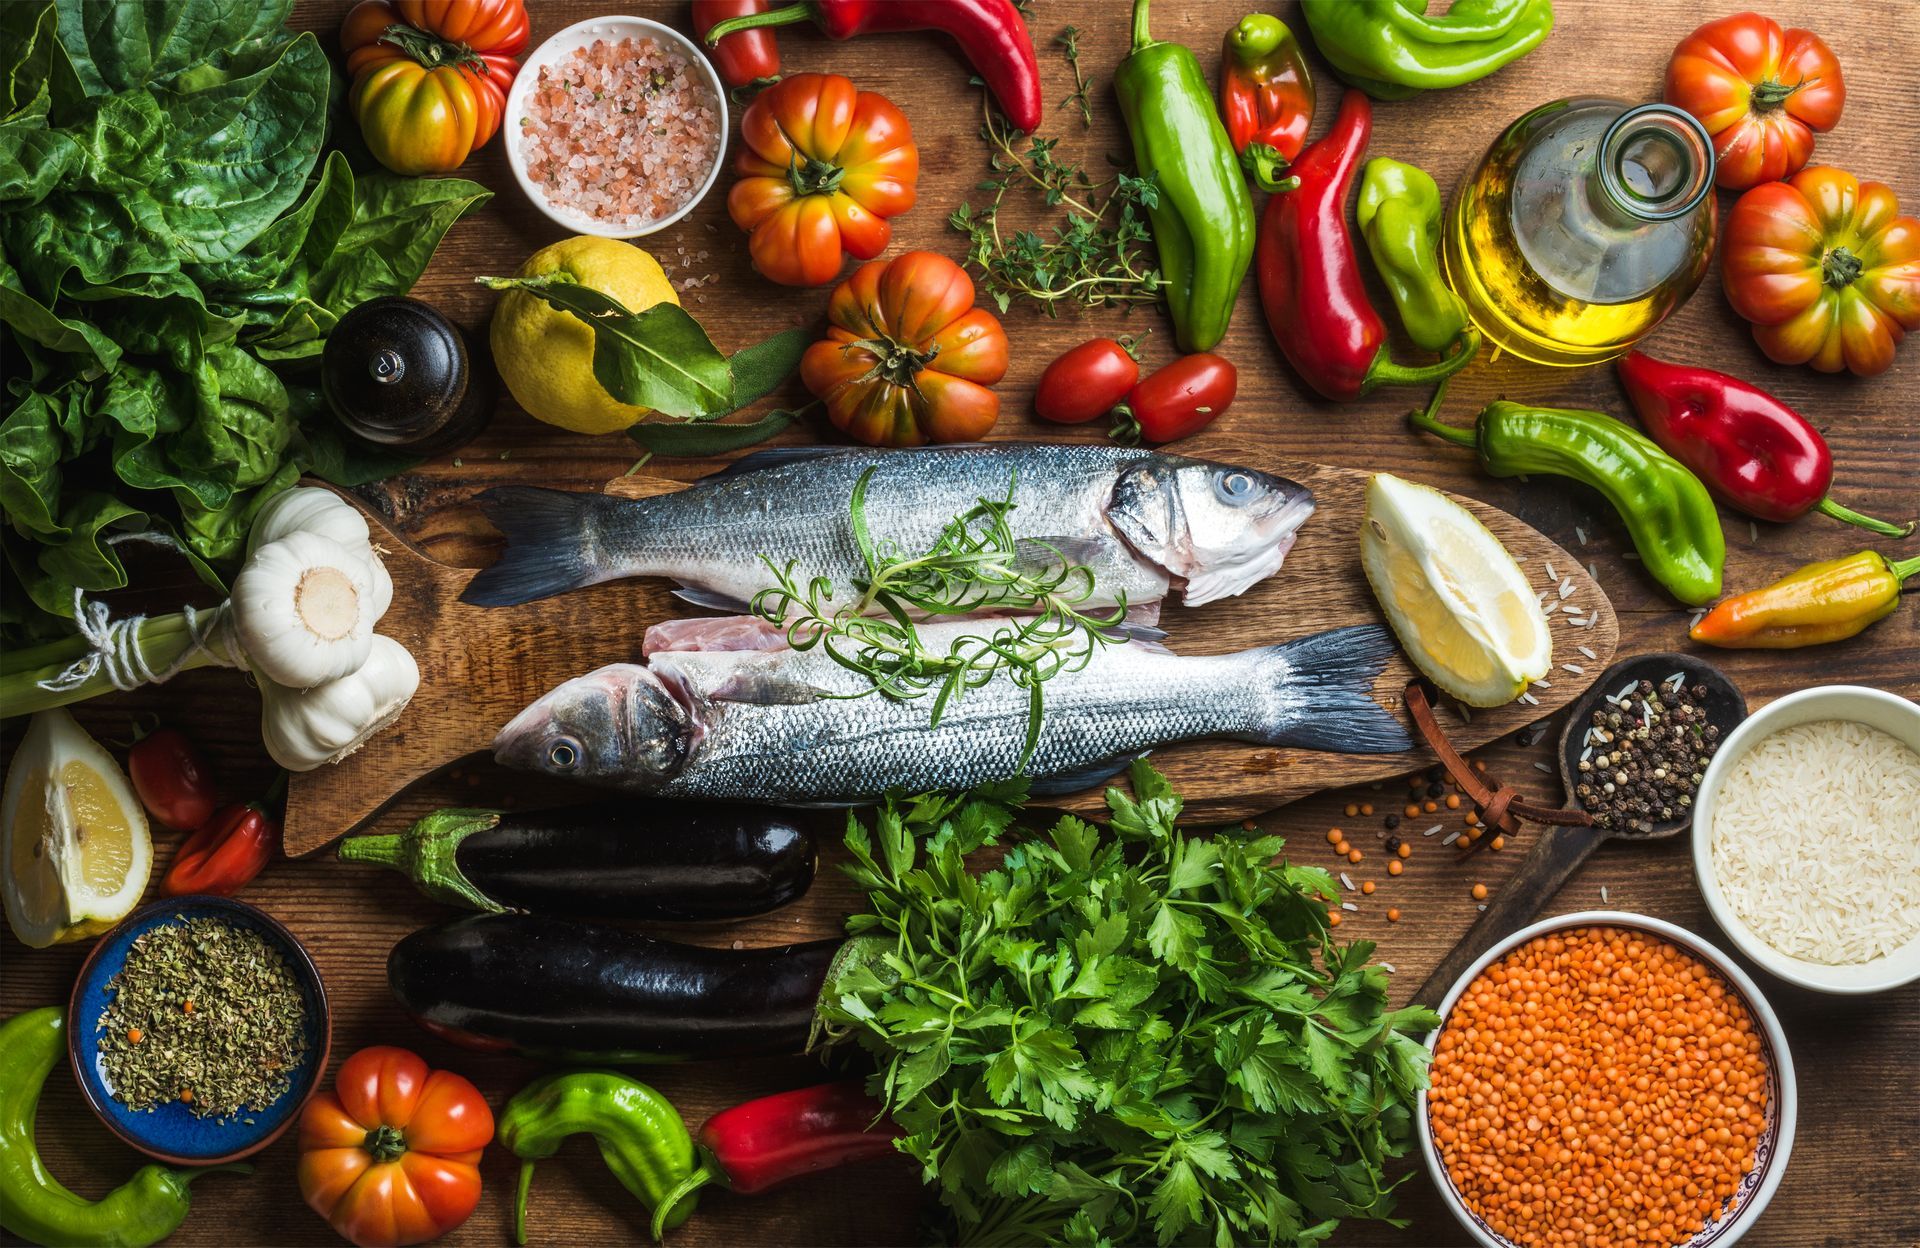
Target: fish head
{"x": 1217, "y": 528}
{"x": 619, "y": 725}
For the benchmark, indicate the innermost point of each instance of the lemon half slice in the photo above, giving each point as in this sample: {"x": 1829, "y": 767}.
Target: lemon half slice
{"x": 1461, "y": 606}
{"x": 78, "y": 853}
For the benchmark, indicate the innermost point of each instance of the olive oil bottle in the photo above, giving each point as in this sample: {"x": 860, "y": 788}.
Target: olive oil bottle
{"x": 1587, "y": 222}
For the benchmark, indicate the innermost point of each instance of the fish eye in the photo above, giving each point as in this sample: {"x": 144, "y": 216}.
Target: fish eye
{"x": 564, "y": 753}
{"x": 1234, "y": 487}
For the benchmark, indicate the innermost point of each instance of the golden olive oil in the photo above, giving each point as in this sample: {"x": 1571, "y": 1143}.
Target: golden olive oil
{"x": 1585, "y": 225}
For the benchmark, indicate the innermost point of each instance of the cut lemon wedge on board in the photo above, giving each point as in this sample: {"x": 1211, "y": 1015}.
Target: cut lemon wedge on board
{"x": 78, "y": 854}
{"x": 1462, "y": 608}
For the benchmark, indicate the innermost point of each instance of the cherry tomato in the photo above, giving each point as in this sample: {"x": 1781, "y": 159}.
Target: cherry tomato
{"x": 1085, "y": 383}
{"x": 1179, "y": 400}
{"x": 171, "y": 780}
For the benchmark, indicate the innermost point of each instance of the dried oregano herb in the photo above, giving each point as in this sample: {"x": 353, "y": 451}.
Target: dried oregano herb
{"x": 204, "y": 1012}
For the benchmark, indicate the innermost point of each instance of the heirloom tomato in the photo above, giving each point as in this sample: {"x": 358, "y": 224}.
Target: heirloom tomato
{"x": 822, "y": 166}
{"x": 391, "y": 1155}
{"x": 430, "y": 77}
{"x": 1760, "y": 91}
{"x": 907, "y": 358}
{"x": 1826, "y": 268}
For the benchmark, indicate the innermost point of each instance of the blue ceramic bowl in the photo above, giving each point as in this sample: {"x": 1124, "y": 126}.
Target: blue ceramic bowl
{"x": 170, "y": 1132}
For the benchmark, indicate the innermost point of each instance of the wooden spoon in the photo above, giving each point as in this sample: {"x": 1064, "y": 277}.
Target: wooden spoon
{"x": 1558, "y": 851}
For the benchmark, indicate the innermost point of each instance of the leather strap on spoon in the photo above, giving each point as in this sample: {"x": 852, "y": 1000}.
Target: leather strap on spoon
{"x": 1556, "y": 854}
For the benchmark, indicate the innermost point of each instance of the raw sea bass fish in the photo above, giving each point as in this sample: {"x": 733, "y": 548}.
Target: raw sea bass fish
{"x": 792, "y": 727}
{"x": 1142, "y": 521}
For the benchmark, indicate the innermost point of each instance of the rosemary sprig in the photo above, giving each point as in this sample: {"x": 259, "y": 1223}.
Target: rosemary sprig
{"x": 975, "y": 565}
{"x": 1069, "y": 41}
{"x": 1100, "y": 254}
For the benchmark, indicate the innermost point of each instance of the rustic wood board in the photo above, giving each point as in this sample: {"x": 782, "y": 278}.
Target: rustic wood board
{"x": 1855, "y": 1056}
{"x": 480, "y": 666}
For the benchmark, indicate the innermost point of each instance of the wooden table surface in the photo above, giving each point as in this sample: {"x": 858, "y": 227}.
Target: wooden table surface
{"x": 1854, "y": 1159}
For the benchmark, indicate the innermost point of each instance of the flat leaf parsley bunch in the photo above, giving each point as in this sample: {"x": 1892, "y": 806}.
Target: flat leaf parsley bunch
{"x": 1123, "y": 1034}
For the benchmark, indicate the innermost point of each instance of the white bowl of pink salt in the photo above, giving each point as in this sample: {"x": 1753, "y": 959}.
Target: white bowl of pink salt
{"x": 616, "y": 126}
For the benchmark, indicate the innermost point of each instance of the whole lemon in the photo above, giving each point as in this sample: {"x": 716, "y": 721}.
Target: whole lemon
{"x": 546, "y": 356}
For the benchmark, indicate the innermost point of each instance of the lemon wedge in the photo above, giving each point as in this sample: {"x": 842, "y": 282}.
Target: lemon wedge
{"x": 78, "y": 853}
{"x": 1461, "y": 606}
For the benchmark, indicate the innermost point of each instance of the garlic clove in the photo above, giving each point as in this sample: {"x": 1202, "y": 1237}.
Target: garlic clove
{"x": 382, "y": 597}
{"x": 303, "y": 609}
{"x": 309, "y": 509}
{"x": 306, "y": 728}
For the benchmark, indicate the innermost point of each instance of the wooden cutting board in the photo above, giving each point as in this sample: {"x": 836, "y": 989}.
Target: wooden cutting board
{"x": 479, "y": 666}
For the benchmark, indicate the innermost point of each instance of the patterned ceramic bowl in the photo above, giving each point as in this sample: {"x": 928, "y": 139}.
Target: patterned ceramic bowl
{"x": 170, "y": 1132}
{"x": 1776, "y": 1137}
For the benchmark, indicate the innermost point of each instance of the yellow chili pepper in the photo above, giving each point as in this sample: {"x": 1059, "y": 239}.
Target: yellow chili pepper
{"x": 1821, "y": 602}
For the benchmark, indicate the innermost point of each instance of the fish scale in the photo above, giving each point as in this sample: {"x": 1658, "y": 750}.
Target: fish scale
{"x": 797, "y": 727}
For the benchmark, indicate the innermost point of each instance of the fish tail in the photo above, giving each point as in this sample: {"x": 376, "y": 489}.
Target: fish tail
{"x": 551, "y": 542}
{"x": 1321, "y": 693}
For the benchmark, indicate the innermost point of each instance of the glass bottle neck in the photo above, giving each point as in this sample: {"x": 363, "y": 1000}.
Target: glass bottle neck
{"x": 1655, "y": 164}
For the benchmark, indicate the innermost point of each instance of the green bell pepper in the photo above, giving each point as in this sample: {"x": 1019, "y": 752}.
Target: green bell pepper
{"x": 1392, "y": 49}
{"x": 33, "y": 1204}
{"x": 641, "y": 1136}
{"x": 1668, "y": 512}
{"x": 1399, "y": 214}
{"x": 1203, "y": 220}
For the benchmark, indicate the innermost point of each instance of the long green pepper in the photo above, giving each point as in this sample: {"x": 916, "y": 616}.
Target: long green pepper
{"x": 1399, "y": 213}
{"x": 36, "y": 1206}
{"x": 1391, "y": 49}
{"x": 1203, "y": 217}
{"x": 641, "y": 1136}
{"x": 1668, "y": 513}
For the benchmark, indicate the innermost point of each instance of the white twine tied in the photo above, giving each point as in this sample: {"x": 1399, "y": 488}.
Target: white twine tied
{"x": 115, "y": 648}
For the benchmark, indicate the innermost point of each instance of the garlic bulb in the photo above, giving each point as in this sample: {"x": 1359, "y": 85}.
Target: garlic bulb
{"x": 304, "y": 609}
{"x": 306, "y": 728}
{"x": 309, "y": 509}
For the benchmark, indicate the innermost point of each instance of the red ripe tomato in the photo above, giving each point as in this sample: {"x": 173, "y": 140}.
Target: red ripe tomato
{"x": 1179, "y": 400}
{"x": 171, "y": 780}
{"x": 822, "y": 166}
{"x": 907, "y": 358}
{"x": 430, "y": 77}
{"x": 391, "y": 1155}
{"x": 1085, "y": 383}
{"x": 1761, "y": 92}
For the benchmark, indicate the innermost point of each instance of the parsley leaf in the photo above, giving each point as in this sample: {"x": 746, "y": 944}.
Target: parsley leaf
{"x": 1120, "y": 1034}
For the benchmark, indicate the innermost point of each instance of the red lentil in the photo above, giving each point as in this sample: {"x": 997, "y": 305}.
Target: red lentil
{"x": 1598, "y": 1087}
{"x": 1393, "y": 915}
{"x": 1479, "y": 892}
{"x": 1393, "y": 867}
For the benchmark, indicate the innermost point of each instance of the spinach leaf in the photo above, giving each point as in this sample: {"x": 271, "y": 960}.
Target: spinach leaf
{"x": 32, "y": 319}
{"x": 397, "y": 224}
{"x": 238, "y": 153}
{"x": 117, "y": 44}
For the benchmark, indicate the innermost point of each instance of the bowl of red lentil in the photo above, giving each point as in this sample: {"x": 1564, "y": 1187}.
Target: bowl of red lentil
{"x": 616, "y": 126}
{"x": 1607, "y": 1080}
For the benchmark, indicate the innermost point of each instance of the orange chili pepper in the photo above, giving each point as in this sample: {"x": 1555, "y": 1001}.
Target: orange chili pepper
{"x": 1827, "y": 601}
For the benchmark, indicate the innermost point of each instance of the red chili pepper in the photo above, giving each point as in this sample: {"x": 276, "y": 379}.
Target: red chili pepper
{"x": 750, "y": 58}
{"x": 759, "y": 1144}
{"x": 989, "y": 32}
{"x": 1310, "y": 281}
{"x": 1754, "y": 451}
{"x": 1085, "y": 383}
{"x": 171, "y": 780}
{"x": 225, "y": 855}
{"x": 1266, "y": 98}
{"x": 1178, "y": 400}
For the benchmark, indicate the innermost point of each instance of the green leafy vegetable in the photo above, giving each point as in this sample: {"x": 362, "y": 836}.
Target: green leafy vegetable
{"x": 683, "y": 439}
{"x": 169, "y": 233}
{"x": 1122, "y": 1035}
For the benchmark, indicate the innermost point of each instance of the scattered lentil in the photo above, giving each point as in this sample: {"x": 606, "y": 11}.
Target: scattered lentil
{"x": 1366, "y": 887}
{"x": 1479, "y": 892}
{"x": 1393, "y": 915}
{"x": 1394, "y": 867}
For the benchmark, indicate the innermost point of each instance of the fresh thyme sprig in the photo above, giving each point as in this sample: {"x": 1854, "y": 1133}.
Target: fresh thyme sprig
{"x": 976, "y": 565}
{"x": 1100, "y": 254}
{"x": 1082, "y": 98}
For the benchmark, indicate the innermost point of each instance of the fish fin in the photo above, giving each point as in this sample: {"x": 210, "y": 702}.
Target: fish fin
{"x": 1085, "y": 777}
{"x": 776, "y": 457}
{"x": 549, "y": 545}
{"x": 713, "y": 600}
{"x": 764, "y": 689}
{"x": 1321, "y": 693}
{"x": 1047, "y": 552}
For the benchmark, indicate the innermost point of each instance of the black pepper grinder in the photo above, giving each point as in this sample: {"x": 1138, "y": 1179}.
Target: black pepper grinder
{"x": 400, "y": 375}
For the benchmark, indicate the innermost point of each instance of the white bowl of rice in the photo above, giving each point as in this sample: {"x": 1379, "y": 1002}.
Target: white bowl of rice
{"x": 1806, "y": 838}
{"x": 616, "y": 126}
